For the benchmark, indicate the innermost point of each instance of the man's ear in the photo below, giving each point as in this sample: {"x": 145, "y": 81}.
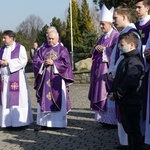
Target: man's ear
{"x": 124, "y": 17}
{"x": 148, "y": 8}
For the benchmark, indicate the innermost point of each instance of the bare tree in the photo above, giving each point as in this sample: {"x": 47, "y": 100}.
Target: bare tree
{"x": 31, "y": 27}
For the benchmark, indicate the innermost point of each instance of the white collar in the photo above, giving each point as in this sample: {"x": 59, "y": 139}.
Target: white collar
{"x": 143, "y": 21}
{"x": 127, "y": 28}
{"x": 55, "y": 44}
{"x": 108, "y": 33}
{"x": 12, "y": 47}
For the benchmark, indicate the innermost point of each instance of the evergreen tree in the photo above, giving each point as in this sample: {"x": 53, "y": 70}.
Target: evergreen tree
{"x": 1, "y": 42}
{"x": 41, "y": 38}
{"x": 86, "y": 18}
{"x": 84, "y": 36}
{"x": 61, "y": 28}
{"x": 20, "y": 38}
{"x": 75, "y": 27}
{"x": 89, "y": 36}
{"x": 63, "y": 33}
{"x": 115, "y": 3}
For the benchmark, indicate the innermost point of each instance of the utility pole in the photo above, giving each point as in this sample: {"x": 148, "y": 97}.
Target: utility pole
{"x": 72, "y": 56}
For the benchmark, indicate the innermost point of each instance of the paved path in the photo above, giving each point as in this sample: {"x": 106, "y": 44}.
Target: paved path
{"x": 82, "y": 132}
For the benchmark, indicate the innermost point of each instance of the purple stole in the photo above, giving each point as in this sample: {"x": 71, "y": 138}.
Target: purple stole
{"x": 144, "y": 31}
{"x": 14, "y": 79}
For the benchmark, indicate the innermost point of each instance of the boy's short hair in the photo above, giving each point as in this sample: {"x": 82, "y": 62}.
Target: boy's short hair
{"x": 130, "y": 37}
{"x": 124, "y": 10}
{"x": 145, "y": 2}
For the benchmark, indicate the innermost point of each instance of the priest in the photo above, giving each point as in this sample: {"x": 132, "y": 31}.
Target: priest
{"x": 53, "y": 75}
{"x": 99, "y": 83}
{"x": 15, "y": 106}
{"x": 143, "y": 25}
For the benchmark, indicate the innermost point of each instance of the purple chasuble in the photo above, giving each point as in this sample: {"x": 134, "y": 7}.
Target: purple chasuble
{"x": 51, "y": 90}
{"x": 144, "y": 31}
{"x": 14, "y": 79}
{"x": 99, "y": 83}
{"x": 49, "y": 84}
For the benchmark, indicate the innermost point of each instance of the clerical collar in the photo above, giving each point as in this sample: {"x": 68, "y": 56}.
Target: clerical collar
{"x": 13, "y": 45}
{"x": 55, "y": 45}
{"x": 108, "y": 33}
{"x": 143, "y": 21}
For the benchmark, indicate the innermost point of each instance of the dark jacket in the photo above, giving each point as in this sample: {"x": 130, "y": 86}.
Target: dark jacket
{"x": 128, "y": 80}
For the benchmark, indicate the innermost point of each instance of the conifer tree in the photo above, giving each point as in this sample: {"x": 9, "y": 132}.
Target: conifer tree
{"x": 84, "y": 35}
{"x": 114, "y": 3}
{"x": 89, "y": 36}
{"x": 1, "y": 42}
{"x": 61, "y": 28}
{"x": 75, "y": 26}
{"x": 41, "y": 38}
{"x": 86, "y": 18}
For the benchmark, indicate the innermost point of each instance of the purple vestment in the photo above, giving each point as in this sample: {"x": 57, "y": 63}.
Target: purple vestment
{"x": 14, "y": 79}
{"x": 98, "y": 91}
{"x": 144, "y": 31}
{"x": 48, "y": 85}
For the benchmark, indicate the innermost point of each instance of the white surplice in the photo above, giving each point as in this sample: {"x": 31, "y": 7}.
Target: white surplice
{"x": 20, "y": 115}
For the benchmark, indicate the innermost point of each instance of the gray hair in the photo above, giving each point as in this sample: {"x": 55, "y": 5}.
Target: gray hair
{"x": 52, "y": 29}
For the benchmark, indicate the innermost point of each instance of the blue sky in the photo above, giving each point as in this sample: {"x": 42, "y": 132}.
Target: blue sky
{"x": 13, "y": 12}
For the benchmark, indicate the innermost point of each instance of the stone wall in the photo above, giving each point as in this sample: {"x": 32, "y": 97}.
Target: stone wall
{"x": 80, "y": 77}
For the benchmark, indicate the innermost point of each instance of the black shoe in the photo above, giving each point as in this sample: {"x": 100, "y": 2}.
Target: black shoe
{"x": 16, "y": 128}
{"x": 122, "y": 147}
{"x": 40, "y": 128}
{"x": 109, "y": 126}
